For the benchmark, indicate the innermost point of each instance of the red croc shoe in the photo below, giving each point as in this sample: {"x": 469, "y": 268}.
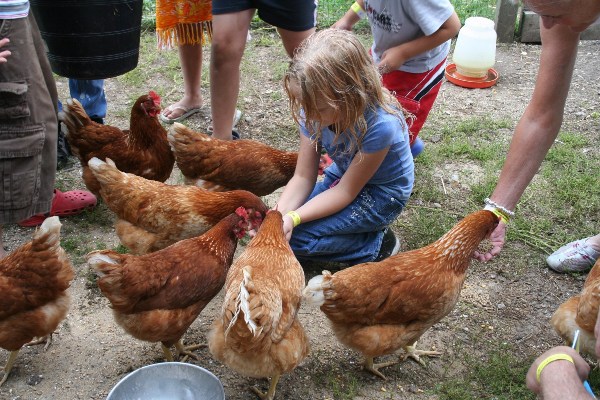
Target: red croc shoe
{"x": 63, "y": 204}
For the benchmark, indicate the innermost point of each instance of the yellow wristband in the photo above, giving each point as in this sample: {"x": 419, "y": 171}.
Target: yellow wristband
{"x": 295, "y": 218}
{"x": 503, "y": 217}
{"x": 358, "y": 10}
{"x": 549, "y": 359}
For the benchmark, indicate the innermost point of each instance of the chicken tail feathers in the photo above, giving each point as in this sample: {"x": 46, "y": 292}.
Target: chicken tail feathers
{"x": 48, "y": 235}
{"x": 105, "y": 172}
{"x": 313, "y": 292}
{"x": 101, "y": 262}
{"x": 243, "y": 304}
{"x": 74, "y": 116}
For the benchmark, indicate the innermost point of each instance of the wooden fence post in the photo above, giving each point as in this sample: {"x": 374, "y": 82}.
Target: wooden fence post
{"x": 506, "y": 18}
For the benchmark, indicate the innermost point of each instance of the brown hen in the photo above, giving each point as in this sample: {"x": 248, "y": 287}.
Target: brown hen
{"x": 142, "y": 149}
{"x": 377, "y": 308}
{"x": 156, "y": 297}
{"x": 153, "y": 215}
{"x": 258, "y": 333}
{"x": 33, "y": 284}
{"x": 580, "y": 313}
{"x": 221, "y": 165}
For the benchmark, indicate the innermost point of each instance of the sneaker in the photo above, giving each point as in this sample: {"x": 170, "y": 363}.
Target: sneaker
{"x": 577, "y": 256}
{"x": 390, "y": 245}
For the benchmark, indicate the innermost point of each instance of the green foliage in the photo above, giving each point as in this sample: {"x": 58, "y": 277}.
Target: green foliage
{"x": 472, "y": 8}
{"x": 149, "y": 15}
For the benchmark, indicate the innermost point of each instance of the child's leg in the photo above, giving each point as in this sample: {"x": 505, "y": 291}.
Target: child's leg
{"x": 352, "y": 235}
{"x": 416, "y": 93}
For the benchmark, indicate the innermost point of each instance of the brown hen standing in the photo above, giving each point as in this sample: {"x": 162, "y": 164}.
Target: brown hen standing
{"x": 33, "y": 284}
{"x": 221, "y": 165}
{"x": 153, "y": 215}
{"x": 156, "y": 297}
{"x": 142, "y": 149}
{"x": 580, "y": 313}
{"x": 258, "y": 333}
{"x": 377, "y": 308}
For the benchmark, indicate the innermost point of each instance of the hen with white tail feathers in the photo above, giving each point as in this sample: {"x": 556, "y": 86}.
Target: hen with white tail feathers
{"x": 258, "y": 333}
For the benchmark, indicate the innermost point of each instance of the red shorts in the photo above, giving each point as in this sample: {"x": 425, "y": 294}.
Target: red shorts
{"x": 416, "y": 93}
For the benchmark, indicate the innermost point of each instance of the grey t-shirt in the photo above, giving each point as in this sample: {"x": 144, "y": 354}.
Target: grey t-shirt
{"x": 399, "y": 21}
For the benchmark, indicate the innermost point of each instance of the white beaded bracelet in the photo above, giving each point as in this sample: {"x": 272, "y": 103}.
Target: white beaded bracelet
{"x": 505, "y": 210}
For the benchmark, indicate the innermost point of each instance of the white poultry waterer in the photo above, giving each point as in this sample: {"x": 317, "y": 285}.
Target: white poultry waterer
{"x": 474, "y": 55}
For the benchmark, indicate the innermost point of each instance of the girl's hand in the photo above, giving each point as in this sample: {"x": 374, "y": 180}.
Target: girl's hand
{"x": 4, "y": 54}
{"x": 497, "y": 239}
{"x": 288, "y": 226}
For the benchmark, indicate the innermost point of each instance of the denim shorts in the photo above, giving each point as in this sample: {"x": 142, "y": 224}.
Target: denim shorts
{"x": 352, "y": 235}
{"x": 295, "y": 16}
{"x": 28, "y": 124}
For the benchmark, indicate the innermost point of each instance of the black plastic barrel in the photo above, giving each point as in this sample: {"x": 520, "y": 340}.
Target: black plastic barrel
{"x": 90, "y": 39}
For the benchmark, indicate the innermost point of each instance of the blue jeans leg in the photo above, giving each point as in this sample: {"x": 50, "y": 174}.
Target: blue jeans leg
{"x": 352, "y": 235}
{"x": 90, "y": 93}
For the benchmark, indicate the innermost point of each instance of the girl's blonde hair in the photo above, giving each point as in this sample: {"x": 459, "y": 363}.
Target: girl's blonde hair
{"x": 333, "y": 67}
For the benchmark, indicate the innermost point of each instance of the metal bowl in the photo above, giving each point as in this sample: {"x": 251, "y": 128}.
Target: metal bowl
{"x": 169, "y": 380}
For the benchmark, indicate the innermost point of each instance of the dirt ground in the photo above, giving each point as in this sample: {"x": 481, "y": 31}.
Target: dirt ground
{"x": 508, "y": 300}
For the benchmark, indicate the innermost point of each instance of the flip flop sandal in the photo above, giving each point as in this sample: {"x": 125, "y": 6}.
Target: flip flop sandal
{"x": 64, "y": 204}
{"x": 187, "y": 112}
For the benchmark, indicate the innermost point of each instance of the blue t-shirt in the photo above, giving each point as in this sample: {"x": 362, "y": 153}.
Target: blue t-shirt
{"x": 396, "y": 172}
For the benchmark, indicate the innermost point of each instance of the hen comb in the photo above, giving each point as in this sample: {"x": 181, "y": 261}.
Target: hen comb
{"x": 241, "y": 211}
{"x": 155, "y": 97}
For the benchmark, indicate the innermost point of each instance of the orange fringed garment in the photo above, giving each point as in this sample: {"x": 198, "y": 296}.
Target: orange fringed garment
{"x": 183, "y": 22}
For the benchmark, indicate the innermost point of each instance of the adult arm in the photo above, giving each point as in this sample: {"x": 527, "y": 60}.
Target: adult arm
{"x": 539, "y": 125}
{"x": 560, "y": 379}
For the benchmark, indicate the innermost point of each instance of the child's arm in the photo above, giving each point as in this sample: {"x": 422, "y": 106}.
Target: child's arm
{"x": 361, "y": 170}
{"x": 350, "y": 18}
{"x": 302, "y": 183}
{"x": 394, "y": 57}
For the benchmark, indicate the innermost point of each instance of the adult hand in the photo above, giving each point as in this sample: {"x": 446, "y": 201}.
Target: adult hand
{"x": 597, "y": 334}
{"x": 581, "y": 366}
{"x": 4, "y": 54}
{"x": 497, "y": 239}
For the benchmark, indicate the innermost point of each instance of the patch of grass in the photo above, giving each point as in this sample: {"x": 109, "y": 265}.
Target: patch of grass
{"x": 499, "y": 376}
{"x": 343, "y": 386}
{"x": 76, "y": 247}
{"x": 121, "y": 249}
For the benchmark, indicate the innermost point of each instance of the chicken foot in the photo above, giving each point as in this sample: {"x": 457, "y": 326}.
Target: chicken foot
{"x": 9, "y": 364}
{"x": 181, "y": 349}
{"x": 270, "y": 395}
{"x": 412, "y": 352}
{"x": 47, "y": 340}
{"x": 368, "y": 365}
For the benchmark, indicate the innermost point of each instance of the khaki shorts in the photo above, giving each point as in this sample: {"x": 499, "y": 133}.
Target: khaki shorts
{"x": 28, "y": 124}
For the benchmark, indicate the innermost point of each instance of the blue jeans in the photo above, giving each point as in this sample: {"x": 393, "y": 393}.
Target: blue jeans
{"x": 352, "y": 235}
{"x": 90, "y": 93}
